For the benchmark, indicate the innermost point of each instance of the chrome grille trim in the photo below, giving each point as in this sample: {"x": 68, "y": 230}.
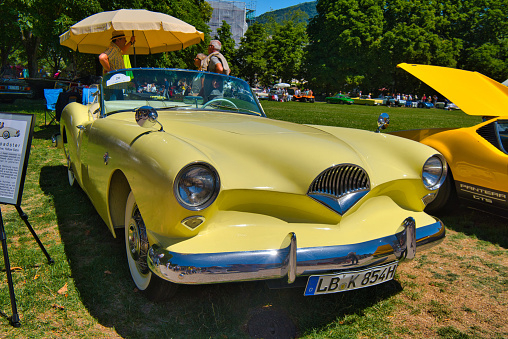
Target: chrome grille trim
{"x": 340, "y": 180}
{"x": 340, "y": 187}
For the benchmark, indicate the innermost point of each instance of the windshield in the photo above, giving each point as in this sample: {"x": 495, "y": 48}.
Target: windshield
{"x": 176, "y": 89}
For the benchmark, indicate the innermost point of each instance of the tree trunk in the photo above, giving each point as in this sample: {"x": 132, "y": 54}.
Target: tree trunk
{"x": 31, "y": 44}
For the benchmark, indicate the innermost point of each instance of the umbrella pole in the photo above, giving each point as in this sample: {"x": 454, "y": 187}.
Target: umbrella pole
{"x": 134, "y": 50}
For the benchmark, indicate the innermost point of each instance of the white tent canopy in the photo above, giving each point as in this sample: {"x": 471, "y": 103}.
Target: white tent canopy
{"x": 282, "y": 85}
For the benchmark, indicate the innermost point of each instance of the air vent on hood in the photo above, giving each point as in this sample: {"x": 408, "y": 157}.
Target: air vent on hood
{"x": 340, "y": 187}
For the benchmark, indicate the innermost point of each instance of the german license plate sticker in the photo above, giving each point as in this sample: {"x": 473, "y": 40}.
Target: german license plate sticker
{"x": 348, "y": 281}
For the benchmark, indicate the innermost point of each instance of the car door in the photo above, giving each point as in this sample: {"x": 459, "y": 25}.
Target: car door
{"x": 480, "y": 166}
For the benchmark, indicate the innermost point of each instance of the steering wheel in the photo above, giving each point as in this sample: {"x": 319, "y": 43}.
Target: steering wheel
{"x": 219, "y": 99}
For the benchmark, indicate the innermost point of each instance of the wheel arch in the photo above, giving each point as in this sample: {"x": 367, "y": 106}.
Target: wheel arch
{"x": 118, "y": 193}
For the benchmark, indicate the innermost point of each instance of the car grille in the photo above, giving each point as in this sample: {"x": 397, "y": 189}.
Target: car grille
{"x": 340, "y": 187}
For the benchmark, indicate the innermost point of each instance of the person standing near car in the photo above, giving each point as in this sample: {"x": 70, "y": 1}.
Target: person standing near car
{"x": 112, "y": 58}
{"x": 198, "y": 61}
{"x": 215, "y": 62}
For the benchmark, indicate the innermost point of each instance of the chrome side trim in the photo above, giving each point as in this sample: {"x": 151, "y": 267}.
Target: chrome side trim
{"x": 290, "y": 261}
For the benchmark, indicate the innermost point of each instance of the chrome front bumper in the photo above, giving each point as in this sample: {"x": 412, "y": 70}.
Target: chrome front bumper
{"x": 290, "y": 261}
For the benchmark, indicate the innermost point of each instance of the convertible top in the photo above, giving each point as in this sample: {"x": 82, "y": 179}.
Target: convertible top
{"x": 473, "y": 92}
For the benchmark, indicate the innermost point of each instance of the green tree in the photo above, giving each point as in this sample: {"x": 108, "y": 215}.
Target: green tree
{"x": 358, "y": 43}
{"x": 484, "y": 31}
{"x": 228, "y": 49}
{"x": 250, "y": 56}
{"x": 9, "y": 39}
{"x": 345, "y": 44}
{"x": 37, "y": 24}
{"x": 285, "y": 52}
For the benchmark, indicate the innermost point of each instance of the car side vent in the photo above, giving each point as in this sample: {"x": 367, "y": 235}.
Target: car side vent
{"x": 488, "y": 132}
{"x": 340, "y": 187}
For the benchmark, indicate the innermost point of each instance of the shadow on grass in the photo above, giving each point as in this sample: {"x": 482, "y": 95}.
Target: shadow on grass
{"x": 482, "y": 225}
{"x": 100, "y": 271}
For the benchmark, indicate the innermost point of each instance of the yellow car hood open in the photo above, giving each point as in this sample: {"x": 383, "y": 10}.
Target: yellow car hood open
{"x": 473, "y": 92}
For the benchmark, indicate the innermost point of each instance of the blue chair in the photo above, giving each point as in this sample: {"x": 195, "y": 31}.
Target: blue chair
{"x": 89, "y": 95}
{"x": 51, "y": 96}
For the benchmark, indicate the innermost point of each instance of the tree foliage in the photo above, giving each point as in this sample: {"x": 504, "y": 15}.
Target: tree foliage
{"x": 348, "y": 45}
{"x": 37, "y": 24}
{"x": 358, "y": 43}
{"x": 268, "y": 59}
{"x": 285, "y": 52}
{"x": 228, "y": 49}
{"x": 251, "y": 60}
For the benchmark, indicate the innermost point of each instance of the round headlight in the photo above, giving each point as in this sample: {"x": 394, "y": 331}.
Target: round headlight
{"x": 434, "y": 172}
{"x": 197, "y": 186}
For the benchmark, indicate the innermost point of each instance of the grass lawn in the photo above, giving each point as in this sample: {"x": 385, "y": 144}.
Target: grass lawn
{"x": 458, "y": 289}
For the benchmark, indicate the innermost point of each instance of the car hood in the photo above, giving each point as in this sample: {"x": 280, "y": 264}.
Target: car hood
{"x": 257, "y": 147}
{"x": 473, "y": 92}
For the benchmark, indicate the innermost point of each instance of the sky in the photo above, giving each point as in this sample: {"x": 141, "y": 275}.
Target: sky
{"x": 263, "y": 6}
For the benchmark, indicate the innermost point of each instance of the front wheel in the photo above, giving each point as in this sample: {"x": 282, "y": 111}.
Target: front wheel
{"x": 137, "y": 246}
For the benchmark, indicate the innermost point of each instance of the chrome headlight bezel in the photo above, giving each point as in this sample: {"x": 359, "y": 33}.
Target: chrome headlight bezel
{"x": 434, "y": 172}
{"x": 200, "y": 180}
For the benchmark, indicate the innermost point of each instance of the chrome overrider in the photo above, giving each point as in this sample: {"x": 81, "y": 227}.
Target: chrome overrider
{"x": 290, "y": 261}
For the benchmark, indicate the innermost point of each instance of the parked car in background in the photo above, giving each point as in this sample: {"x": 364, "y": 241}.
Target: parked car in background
{"x": 477, "y": 156}
{"x": 207, "y": 189}
{"x": 365, "y": 100}
{"x": 260, "y": 93}
{"x": 303, "y": 96}
{"x": 14, "y": 88}
{"x": 425, "y": 104}
{"x": 275, "y": 95}
{"x": 450, "y": 106}
{"x": 389, "y": 100}
{"x": 339, "y": 99}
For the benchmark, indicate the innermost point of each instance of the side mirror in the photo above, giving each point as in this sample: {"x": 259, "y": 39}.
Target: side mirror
{"x": 146, "y": 116}
{"x": 382, "y": 122}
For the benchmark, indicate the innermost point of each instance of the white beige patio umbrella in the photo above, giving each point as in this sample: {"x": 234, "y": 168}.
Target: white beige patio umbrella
{"x": 155, "y": 32}
{"x": 281, "y": 85}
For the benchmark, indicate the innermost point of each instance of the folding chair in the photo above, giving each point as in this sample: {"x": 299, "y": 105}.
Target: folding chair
{"x": 89, "y": 95}
{"x": 51, "y": 96}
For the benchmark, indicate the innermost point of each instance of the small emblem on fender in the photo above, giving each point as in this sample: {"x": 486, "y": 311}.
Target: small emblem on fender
{"x": 106, "y": 158}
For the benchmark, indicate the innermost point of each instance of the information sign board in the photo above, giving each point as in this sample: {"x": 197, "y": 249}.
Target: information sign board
{"x": 16, "y": 131}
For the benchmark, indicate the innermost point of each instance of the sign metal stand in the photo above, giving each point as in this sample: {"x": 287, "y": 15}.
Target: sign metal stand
{"x": 16, "y": 131}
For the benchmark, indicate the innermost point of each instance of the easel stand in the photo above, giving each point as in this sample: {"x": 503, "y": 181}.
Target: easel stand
{"x": 3, "y": 237}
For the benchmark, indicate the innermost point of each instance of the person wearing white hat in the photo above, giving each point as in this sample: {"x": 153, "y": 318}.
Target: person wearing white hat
{"x": 112, "y": 58}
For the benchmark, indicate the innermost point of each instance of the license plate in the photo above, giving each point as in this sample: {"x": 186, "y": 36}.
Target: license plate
{"x": 16, "y": 88}
{"x": 347, "y": 281}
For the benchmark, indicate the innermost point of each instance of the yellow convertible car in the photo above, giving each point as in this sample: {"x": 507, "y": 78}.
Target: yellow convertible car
{"x": 477, "y": 156}
{"x": 207, "y": 189}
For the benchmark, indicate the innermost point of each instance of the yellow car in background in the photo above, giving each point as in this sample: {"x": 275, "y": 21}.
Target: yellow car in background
{"x": 477, "y": 156}
{"x": 207, "y": 189}
{"x": 365, "y": 100}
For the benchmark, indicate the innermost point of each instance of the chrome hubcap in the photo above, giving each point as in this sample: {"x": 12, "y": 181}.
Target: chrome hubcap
{"x": 137, "y": 241}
